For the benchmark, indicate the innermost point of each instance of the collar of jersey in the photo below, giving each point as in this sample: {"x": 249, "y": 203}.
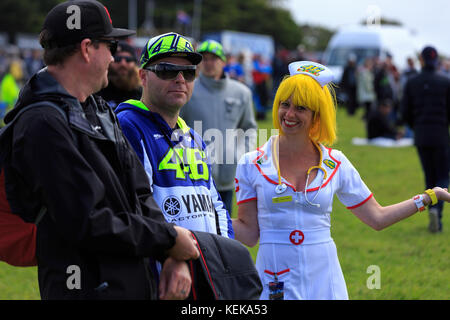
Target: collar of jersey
{"x": 139, "y": 104}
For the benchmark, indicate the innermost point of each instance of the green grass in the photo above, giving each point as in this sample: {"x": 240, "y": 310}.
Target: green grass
{"x": 414, "y": 264}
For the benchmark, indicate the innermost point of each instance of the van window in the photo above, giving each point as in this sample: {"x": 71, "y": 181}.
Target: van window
{"x": 339, "y": 56}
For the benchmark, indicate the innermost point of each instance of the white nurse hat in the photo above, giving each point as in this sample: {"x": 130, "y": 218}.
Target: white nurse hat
{"x": 319, "y": 72}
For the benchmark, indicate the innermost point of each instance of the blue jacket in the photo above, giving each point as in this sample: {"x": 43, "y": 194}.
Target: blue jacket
{"x": 177, "y": 166}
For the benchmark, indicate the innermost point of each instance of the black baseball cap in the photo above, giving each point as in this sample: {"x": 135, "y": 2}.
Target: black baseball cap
{"x": 72, "y": 21}
{"x": 125, "y": 47}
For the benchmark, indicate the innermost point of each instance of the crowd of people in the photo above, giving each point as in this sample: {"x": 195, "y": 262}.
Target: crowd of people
{"x": 261, "y": 74}
{"x": 377, "y": 86}
{"x": 366, "y": 85}
{"x": 105, "y": 157}
{"x": 16, "y": 66}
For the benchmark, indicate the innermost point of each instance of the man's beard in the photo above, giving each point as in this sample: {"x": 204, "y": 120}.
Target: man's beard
{"x": 128, "y": 82}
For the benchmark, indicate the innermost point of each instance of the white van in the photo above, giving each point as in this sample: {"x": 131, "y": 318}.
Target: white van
{"x": 369, "y": 41}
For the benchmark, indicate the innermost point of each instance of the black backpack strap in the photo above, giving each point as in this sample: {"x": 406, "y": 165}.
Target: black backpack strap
{"x": 7, "y": 130}
{"x": 36, "y": 105}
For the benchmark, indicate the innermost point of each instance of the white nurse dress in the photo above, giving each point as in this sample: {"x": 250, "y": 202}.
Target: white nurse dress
{"x": 295, "y": 245}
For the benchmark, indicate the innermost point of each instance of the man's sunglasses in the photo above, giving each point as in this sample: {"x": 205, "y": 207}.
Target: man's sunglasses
{"x": 112, "y": 44}
{"x": 169, "y": 71}
{"x": 119, "y": 59}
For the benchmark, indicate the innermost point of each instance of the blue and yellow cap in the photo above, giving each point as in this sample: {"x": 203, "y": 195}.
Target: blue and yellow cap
{"x": 213, "y": 47}
{"x": 169, "y": 45}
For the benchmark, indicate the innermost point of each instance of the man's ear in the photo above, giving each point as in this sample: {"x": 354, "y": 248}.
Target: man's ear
{"x": 86, "y": 49}
{"x": 143, "y": 77}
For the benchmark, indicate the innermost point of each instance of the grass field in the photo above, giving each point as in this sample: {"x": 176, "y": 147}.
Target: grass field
{"x": 413, "y": 263}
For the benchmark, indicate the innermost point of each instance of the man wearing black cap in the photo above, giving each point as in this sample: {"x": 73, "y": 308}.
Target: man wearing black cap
{"x": 101, "y": 230}
{"x": 123, "y": 76}
{"x": 426, "y": 109}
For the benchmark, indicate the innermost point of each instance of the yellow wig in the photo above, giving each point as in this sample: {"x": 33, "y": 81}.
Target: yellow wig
{"x": 307, "y": 92}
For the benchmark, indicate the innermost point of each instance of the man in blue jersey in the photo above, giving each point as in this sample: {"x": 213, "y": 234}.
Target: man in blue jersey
{"x": 173, "y": 154}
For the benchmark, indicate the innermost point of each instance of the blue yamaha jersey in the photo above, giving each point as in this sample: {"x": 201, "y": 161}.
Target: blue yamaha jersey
{"x": 178, "y": 170}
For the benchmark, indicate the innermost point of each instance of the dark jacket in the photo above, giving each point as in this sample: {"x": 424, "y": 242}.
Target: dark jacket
{"x": 224, "y": 271}
{"x": 114, "y": 95}
{"x": 426, "y": 108}
{"x": 378, "y": 125}
{"x": 382, "y": 86}
{"x": 102, "y": 223}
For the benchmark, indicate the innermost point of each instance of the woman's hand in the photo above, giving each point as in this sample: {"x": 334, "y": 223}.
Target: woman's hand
{"x": 441, "y": 194}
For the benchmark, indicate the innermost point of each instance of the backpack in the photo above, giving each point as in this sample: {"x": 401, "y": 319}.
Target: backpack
{"x": 224, "y": 271}
{"x": 17, "y": 237}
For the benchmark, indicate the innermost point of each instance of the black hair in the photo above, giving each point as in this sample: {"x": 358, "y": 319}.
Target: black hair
{"x": 386, "y": 102}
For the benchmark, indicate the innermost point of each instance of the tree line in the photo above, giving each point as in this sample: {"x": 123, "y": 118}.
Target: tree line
{"x": 254, "y": 16}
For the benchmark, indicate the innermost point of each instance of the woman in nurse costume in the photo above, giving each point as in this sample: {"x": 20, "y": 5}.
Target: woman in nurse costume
{"x": 285, "y": 192}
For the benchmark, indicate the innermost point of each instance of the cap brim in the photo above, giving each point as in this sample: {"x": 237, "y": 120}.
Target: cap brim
{"x": 120, "y": 33}
{"x": 223, "y": 58}
{"x": 194, "y": 57}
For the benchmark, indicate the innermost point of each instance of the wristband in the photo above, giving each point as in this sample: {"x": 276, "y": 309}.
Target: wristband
{"x": 418, "y": 200}
{"x": 432, "y": 195}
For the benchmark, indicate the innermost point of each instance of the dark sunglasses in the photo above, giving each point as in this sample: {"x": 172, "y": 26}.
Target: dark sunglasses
{"x": 169, "y": 71}
{"x": 112, "y": 44}
{"x": 119, "y": 59}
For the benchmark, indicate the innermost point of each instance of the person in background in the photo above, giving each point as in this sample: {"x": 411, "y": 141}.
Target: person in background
{"x": 221, "y": 103}
{"x": 379, "y": 123}
{"x": 286, "y": 190}
{"x": 123, "y": 77}
{"x": 393, "y": 76}
{"x": 445, "y": 69}
{"x": 261, "y": 73}
{"x": 279, "y": 68}
{"x": 426, "y": 109}
{"x": 365, "y": 87}
{"x": 10, "y": 86}
{"x": 234, "y": 68}
{"x": 383, "y": 80}
{"x": 348, "y": 84}
{"x": 299, "y": 54}
{"x": 408, "y": 73}
{"x": 245, "y": 59}
{"x": 33, "y": 62}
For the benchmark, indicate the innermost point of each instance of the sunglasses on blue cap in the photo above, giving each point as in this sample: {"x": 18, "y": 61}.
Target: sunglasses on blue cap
{"x": 169, "y": 71}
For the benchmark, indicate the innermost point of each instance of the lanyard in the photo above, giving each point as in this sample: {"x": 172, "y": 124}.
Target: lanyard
{"x": 281, "y": 187}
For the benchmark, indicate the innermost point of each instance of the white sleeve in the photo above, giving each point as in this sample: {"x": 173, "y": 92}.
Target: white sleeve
{"x": 352, "y": 191}
{"x": 244, "y": 188}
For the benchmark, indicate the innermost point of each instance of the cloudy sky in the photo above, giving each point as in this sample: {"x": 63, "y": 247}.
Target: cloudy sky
{"x": 429, "y": 19}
